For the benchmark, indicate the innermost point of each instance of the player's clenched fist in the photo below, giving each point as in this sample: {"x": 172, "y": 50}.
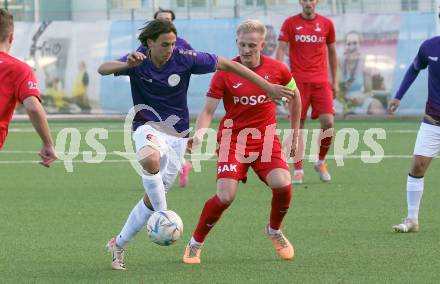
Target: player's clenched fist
{"x": 393, "y": 105}
{"x": 278, "y": 92}
{"x": 193, "y": 143}
{"x": 135, "y": 58}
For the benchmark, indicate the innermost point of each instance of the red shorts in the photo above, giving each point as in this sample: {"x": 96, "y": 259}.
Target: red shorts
{"x": 234, "y": 164}
{"x": 319, "y": 95}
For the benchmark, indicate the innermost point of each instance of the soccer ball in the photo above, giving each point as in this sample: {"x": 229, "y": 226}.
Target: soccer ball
{"x": 164, "y": 227}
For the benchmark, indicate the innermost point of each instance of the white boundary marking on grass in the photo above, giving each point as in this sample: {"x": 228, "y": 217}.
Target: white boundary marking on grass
{"x": 113, "y": 130}
{"x": 210, "y": 160}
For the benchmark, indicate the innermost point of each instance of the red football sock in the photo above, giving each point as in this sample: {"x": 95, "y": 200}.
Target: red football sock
{"x": 298, "y": 165}
{"x": 280, "y": 204}
{"x": 326, "y": 141}
{"x": 211, "y": 212}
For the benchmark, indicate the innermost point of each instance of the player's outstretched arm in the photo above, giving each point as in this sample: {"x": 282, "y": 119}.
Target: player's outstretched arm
{"x": 281, "y": 50}
{"x": 203, "y": 122}
{"x": 38, "y": 118}
{"x": 133, "y": 59}
{"x": 275, "y": 92}
{"x": 295, "y": 116}
{"x": 112, "y": 67}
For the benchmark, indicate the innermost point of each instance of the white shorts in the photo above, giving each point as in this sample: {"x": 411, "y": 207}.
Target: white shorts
{"x": 428, "y": 141}
{"x": 171, "y": 149}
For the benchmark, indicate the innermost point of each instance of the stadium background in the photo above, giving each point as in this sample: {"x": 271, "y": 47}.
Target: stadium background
{"x": 54, "y": 37}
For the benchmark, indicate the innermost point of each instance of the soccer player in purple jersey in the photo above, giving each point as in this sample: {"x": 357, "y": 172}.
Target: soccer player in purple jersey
{"x": 428, "y": 138}
{"x": 159, "y": 82}
{"x": 166, "y": 14}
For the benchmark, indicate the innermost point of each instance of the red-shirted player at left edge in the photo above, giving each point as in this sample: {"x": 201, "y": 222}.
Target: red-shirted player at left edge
{"x": 309, "y": 36}
{"x": 247, "y": 138}
{"x": 18, "y": 84}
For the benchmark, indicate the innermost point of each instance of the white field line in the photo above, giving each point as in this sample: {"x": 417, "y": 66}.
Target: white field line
{"x": 110, "y": 130}
{"x": 210, "y": 160}
{"x": 198, "y": 155}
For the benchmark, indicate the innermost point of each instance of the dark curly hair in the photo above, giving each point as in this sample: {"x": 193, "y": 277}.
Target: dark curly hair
{"x": 153, "y": 29}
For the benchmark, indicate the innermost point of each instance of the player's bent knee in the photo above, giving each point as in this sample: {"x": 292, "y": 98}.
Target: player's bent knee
{"x": 226, "y": 190}
{"x": 419, "y": 166}
{"x": 278, "y": 178}
{"x": 226, "y": 199}
{"x": 418, "y": 169}
{"x": 149, "y": 159}
{"x": 327, "y": 125}
{"x": 226, "y": 195}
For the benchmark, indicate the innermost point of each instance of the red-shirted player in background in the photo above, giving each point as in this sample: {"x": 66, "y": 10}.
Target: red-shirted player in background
{"x": 18, "y": 84}
{"x": 309, "y": 36}
{"x": 247, "y": 138}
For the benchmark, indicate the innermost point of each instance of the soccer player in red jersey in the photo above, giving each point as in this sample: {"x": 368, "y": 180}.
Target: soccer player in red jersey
{"x": 18, "y": 84}
{"x": 247, "y": 138}
{"x": 308, "y": 36}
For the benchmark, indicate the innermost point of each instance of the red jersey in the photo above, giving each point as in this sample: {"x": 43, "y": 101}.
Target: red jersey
{"x": 308, "y": 40}
{"x": 17, "y": 82}
{"x": 246, "y": 104}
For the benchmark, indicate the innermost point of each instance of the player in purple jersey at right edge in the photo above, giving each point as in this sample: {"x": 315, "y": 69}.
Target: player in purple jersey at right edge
{"x": 428, "y": 138}
{"x": 159, "y": 82}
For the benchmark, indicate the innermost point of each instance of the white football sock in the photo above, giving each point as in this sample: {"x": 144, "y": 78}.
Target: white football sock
{"x": 414, "y": 192}
{"x": 136, "y": 220}
{"x": 298, "y": 171}
{"x": 155, "y": 189}
{"x": 319, "y": 162}
{"x": 194, "y": 242}
{"x": 273, "y": 231}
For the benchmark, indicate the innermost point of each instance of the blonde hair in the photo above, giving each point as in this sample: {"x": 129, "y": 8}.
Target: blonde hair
{"x": 250, "y": 26}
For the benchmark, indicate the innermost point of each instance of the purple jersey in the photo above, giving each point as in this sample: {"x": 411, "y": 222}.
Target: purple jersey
{"x": 165, "y": 89}
{"x": 429, "y": 56}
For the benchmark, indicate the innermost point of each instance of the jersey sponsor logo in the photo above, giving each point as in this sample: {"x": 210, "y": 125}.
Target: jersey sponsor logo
{"x": 237, "y": 85}
{"x": 309, "y": 38}
{"x": 299, "y": 28}
{"x": 317, "y": 28}
{"x": 173, "y": 80}
{"x": 433, "y": 58}
{"x": 32, "y": 85}
{"x": 252, "y": 100}
{"x": 227, "y": 168}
